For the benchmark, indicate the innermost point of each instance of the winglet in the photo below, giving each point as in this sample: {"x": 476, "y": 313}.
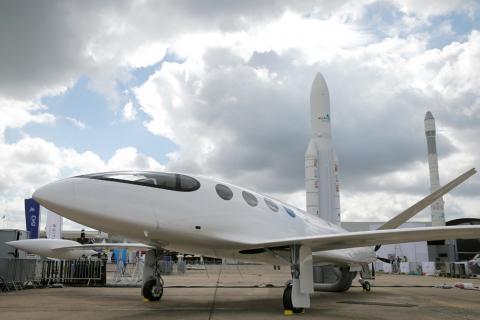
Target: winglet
{"x": 404, "y": 216}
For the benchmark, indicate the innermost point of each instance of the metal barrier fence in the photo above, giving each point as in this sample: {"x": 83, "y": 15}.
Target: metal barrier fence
{"x": 16, "y": 273}
{"x": 132, "y": 274}
{"x": 74, "y": 272}
{"x": 170, "y": 267}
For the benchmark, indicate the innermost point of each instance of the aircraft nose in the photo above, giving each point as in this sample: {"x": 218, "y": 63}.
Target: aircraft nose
{"x": 56, "y": 196}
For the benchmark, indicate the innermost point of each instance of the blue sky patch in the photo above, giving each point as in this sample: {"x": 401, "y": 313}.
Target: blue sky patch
{"x": 105, "y": 131}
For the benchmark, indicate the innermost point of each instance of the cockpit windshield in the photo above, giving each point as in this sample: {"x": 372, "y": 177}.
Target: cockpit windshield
{"x": 169, "y": 181}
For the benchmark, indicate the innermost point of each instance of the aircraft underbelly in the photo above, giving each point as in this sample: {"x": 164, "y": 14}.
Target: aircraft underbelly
{"x": 345, "y": 256}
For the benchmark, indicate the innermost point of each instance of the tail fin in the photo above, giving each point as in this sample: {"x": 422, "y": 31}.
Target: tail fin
{"x": 404, "y": 216}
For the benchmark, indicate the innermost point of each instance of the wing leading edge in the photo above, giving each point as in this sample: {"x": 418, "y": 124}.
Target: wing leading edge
{"x": 94, "y": 246}
{"x": 404, "y": 216}
{"x": 375, "y": 237}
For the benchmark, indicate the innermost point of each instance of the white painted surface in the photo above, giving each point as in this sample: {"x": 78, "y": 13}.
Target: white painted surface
{"x": 321, "y": 165}
{"x": 46, "y": 248}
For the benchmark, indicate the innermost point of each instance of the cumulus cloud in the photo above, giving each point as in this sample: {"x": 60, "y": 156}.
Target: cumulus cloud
{"x": 16, "y": 114}
{"x": 47, "y": 45}
{"x": 429, "y": 8}
{"x": 129, "y": 112}
{"x": 130, "y": 159}
{"x": 33, "y": 162}
{"x": 232, "y": 91}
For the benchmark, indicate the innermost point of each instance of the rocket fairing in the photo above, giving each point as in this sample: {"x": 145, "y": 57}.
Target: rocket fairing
{"x": 321, "y": 165}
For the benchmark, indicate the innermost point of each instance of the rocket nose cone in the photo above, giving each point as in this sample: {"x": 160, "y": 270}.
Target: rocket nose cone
{"x": 319, "y": 105}
{"x": 319, "y": 81}
{"x": 319, "y": 96}
{"x": 428, "y": 116}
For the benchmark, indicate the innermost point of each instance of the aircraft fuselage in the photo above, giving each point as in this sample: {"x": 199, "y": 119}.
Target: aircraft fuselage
{"x": 156, "y": 209}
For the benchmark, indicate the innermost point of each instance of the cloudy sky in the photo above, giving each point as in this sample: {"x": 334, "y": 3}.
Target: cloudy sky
{"x": 221, "y": 88}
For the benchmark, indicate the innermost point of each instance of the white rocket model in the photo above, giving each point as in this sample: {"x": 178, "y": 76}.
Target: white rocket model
{"x": 437, "y": 210}
{"x": 321, "y": 167}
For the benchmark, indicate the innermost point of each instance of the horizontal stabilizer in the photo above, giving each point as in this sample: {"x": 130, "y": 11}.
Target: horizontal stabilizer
{"x": 403, "y": 217}
{"x": 375, "y": 237}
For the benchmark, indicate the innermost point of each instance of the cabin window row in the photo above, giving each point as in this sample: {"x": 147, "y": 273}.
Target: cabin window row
{"x": 226, "y": 193}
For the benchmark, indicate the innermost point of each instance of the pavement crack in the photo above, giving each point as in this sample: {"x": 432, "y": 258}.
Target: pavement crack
{"x": 212, "y": 308}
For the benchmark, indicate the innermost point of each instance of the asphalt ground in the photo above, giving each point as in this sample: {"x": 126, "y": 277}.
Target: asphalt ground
{"x": 247, "y": 292}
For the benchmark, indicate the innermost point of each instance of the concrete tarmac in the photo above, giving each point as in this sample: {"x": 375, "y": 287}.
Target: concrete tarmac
{"x": 247, "y": 292}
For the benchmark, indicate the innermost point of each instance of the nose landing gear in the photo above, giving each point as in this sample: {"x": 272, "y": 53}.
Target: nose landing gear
{"x": 367, "y": 277}
{"x": 152, "y": 288}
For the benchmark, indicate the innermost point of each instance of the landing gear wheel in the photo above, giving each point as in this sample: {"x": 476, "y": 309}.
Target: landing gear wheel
{"x": 366, "y": 286}
{"x": 287, "y": 301}
{"x": 151, "y": 291}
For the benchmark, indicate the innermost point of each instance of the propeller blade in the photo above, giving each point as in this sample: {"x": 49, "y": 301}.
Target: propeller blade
{"x": 383, "y": 259}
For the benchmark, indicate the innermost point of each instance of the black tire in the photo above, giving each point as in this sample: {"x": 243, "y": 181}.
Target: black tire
{"x": 287, "y": 300}
{"x": 150, "y": 290}
{"x": 367, "y": 286}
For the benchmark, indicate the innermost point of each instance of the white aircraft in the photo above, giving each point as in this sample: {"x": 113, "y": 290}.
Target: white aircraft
{"x": 199, "y": 215}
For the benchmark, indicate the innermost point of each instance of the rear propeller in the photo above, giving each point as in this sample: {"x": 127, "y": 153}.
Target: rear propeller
{"x": 383, "y": 259}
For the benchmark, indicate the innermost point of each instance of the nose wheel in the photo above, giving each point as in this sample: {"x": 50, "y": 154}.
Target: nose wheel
{"x": 152, "y": 291}
{"x": 367, "y": 277}
{"x": 366, "y": 285}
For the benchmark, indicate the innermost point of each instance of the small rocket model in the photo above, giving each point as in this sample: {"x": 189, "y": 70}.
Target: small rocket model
{"x": 321, "y": 165}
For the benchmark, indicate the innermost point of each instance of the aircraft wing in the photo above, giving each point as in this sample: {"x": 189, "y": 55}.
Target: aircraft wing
{"x": 94, "y": 246}
{"x": 68, "y": 249}
{"x": 404, "y": 216}
{"x": 375, "y": 237}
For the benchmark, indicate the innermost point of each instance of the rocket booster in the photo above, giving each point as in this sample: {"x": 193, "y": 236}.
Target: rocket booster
{"x": 321, "y": 165}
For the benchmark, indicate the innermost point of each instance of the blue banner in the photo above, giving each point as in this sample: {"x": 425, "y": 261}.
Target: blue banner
{"x": 32, "y": 217}
{"x": 124, "y": 256}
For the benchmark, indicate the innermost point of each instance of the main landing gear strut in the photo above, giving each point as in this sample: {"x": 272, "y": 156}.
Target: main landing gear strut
{"x": 296, "y": 296}
{"x": 152, "y": 288}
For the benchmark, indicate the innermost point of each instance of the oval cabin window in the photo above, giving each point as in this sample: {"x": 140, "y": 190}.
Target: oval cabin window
{"x": 272, "y": 205}
{"x": 290, "y": 212}
{"x": 249, "y": 198}
{"x": 224, "y": 192}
